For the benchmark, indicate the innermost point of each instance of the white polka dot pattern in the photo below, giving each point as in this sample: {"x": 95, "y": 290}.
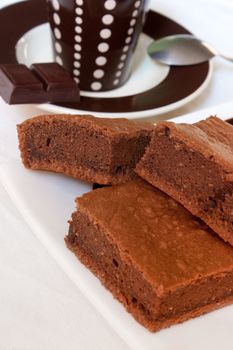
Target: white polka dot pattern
{"x": 56, "y": 5}
{"x": 56, "y": 19}
{"x": 101, "y": 61}
{"x": 58, "y": 47}
{"x": 135, "y": 13}
{"x": 59, "y": 60}
{"x": 76, "y": 72}
{"x": 105, "y": 33}
{"x": 132, "y": 22}
{"x": 107, "y": 19}
{"x": 78, "y": 39}
{"x": 77, "y": 64}
{"x": 77, "y": 55}
{"x": 77, "y": 47}
{"x": 130, "y": 31}
{"x": 103, "y": 46}
{"x": 78, "y": 20}
{"x": 118, "y": 74}
{"x": 128, "y": 40}
{"x": 96, "y": 85}
{"x": 79, "y": 11}
{"x": 110, "y": 4}
{"x": 56, "y": 31}
{"x": 78, "y": 29}
{"x": 98, "y": 73}
{"x": 125, "y": 48}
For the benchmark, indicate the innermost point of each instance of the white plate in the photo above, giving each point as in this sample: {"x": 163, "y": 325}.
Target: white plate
{"x": 46, "y": 201}
{"x": 146, "y": 74}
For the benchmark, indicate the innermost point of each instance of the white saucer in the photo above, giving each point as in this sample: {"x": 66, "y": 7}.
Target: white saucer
{"x": 146, "y": 74}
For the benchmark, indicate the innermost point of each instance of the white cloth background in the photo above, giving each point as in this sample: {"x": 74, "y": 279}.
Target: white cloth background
{"x": 40, "y": 308}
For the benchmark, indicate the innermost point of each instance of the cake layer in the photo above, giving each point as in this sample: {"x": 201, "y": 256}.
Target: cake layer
{"x": 194, "y": 165}
{"x": 157, "y": 259}
{"x": 84, "y": 147}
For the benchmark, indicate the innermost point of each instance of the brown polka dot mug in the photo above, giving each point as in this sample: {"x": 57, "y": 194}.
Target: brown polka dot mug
{"x": 95, "y": 39}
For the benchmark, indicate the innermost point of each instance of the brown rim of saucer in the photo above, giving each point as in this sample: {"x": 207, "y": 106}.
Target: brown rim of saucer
{"x": 17, "y": 19}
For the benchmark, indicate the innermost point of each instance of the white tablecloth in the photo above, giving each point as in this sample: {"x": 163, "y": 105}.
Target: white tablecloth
{"x": 40, "y": 308}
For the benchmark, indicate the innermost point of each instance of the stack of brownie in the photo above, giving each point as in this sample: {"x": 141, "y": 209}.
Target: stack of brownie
{"x": 164, "y": 264}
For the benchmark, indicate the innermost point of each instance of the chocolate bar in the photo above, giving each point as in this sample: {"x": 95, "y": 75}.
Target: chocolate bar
{"x": 43, "y": 82}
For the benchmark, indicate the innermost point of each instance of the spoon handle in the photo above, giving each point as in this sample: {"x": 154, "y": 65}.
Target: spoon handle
{"x": 228, "y": 58}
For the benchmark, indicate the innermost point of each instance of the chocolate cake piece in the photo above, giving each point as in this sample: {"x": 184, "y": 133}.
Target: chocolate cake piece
{"x": 157, "y": 259}
{"x": 98, "y": 150}
{"x": 194, "y": 165}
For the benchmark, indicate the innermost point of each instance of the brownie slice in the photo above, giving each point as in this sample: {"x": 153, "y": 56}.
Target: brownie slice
{"x": 157, "y": 259}
{"x": 98, "y": 150}
{"x": 194, "y": 165}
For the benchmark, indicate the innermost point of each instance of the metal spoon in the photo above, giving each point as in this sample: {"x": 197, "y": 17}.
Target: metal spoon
{"x": 182, "y": 50}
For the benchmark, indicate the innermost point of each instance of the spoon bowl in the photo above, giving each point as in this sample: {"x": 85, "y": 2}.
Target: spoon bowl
{"x": 182, "y": 50}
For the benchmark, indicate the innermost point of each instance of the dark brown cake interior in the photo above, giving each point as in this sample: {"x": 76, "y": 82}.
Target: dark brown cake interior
{"x": 58, "y": 142}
